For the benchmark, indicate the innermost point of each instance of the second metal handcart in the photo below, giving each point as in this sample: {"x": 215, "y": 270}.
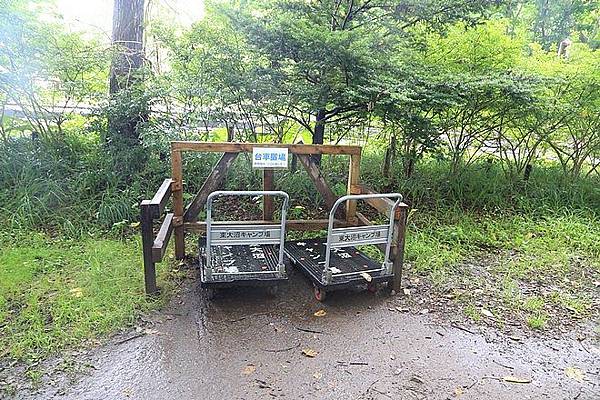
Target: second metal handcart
{"x": 335, "y": 262}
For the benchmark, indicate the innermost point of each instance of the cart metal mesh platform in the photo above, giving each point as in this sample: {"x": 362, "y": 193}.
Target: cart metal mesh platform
{"x": 335, "y": 262}
{"x": 310, "y": 254}
{"x": 237, "y": 253}
{"x": 241, "y": 263}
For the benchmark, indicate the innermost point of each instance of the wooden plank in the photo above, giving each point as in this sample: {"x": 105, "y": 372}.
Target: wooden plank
{"x": 291, "y": 225}
{"x": 353, "y": 179}
{"x": 382, "y": 205}
{"x": 147, "y": 239}
{"x": 268, "y": 177}
{"x": 160, "y": 199}
{"x": 322, "y": 187}
{"x": 162, "y": 238}
{"x": 177, "y": 189}
{"x": 362, "y": 219}
{"x": 225, "y": 147}
{"x": 212, "y": 183}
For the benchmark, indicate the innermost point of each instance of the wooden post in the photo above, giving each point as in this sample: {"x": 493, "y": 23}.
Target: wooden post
{"x": 177, "y": 190}
{"x": 353, "y": 179}
{"x": 147, "y": 242}
{"x": 398, "y": 247}
{"x": 268, "y": 175}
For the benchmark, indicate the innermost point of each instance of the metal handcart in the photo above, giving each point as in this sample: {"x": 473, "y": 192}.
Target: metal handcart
{"x": 235, "y": 253}
{"x": 335, "y": 263}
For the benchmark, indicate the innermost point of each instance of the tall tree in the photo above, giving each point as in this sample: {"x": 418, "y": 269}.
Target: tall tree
{"x": 330, "y": 59}
{"x": 127, "y": 39}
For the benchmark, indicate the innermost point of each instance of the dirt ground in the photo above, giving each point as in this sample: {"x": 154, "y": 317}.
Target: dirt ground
{"x": 245, "y": 344}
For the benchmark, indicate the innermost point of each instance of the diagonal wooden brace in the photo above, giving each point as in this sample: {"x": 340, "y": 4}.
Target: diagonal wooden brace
{"x": 315, "y": 174}
{"x": 212, "y": 183}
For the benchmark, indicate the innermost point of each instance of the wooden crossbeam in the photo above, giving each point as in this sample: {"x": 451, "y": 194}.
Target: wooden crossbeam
{"x": 382, "y": 205}
{"x": 162, "y": 238}
{"x": 212, "y": 183}
{"x": 160, "y": 199}
{"x": 232, "y": 147}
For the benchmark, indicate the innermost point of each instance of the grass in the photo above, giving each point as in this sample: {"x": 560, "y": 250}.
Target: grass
{"x": 58, "y": 293}
{"x": 525, "y": 264}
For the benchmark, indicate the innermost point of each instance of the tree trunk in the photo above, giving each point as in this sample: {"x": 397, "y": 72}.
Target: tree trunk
{"x": 319, "y": 133}
{"x": 127, "y": 39}
{"x": 527, "y": 174}
{"x": 390, "y": 152}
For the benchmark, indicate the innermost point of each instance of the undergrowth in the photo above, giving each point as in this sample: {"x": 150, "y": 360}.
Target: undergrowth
{"x": 70, "y": 263}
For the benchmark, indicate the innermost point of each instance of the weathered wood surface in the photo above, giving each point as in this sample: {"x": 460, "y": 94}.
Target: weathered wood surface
{"x": 177, "y": 190}
{"x": 147, "y": 241}
{"x": 160, "y": 199}
{"x": 162, "y": 238}
{"x": 234, "y": 147}
{"x": 268, "y": 184}
{"x": 212, "y": 183}
{"x": 322, "y": 187}
{"x": 353, "y": 179}
{"x": 382, "y": 205}
{"x": 397, "y": 253}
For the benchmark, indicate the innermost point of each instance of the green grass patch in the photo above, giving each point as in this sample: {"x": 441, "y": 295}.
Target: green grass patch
{"x": 59, "y": 293}
{"x": 526, "y": 264}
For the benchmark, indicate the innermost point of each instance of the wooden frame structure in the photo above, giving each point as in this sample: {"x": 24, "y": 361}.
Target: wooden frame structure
{"x": 185, "y": 218}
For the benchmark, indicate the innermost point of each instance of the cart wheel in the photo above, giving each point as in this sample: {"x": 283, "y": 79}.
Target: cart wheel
{"x": 387, "y": 289}
{"x": 372, "y": 287}
{"x": 320, "y": 293}
{"x": 272, "y": 290}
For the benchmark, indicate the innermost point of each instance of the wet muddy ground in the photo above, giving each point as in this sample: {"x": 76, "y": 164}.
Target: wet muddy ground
{"x": 245, "y": 344}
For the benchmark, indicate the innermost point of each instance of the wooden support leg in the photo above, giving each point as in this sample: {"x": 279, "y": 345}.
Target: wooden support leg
{"x": 177, "y": 190}
{"x": 353, "y": 179}
{"x": 268, "y": 175}
{"x": 147, "y": 241}
{"x": 398, "y": 249}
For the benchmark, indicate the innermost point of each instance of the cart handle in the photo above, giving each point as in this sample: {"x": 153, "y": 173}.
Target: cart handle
{"x": 218, "y": 193}
{"x": 339, "y": 201}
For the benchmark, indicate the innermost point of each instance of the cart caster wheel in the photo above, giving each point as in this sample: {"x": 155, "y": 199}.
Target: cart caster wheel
{"x": 387, "y": 289}
{"x": 320, "y": 293}
{"x": 272, "y": 290}
{"x": 372, "y": 287}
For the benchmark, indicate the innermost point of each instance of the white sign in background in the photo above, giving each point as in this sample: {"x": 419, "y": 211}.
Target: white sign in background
{"x": 265, "y": 157}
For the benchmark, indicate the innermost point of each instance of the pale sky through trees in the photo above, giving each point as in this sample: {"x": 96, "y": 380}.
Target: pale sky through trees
{"x": 95, "y": 16}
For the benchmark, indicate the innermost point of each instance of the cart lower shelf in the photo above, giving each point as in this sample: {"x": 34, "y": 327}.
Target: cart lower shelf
{"x": 309, "y": 257}
{"x": 241, "y": 264}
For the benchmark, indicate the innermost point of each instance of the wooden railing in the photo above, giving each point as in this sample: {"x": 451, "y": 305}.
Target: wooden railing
{"x": 154, "y": 247}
